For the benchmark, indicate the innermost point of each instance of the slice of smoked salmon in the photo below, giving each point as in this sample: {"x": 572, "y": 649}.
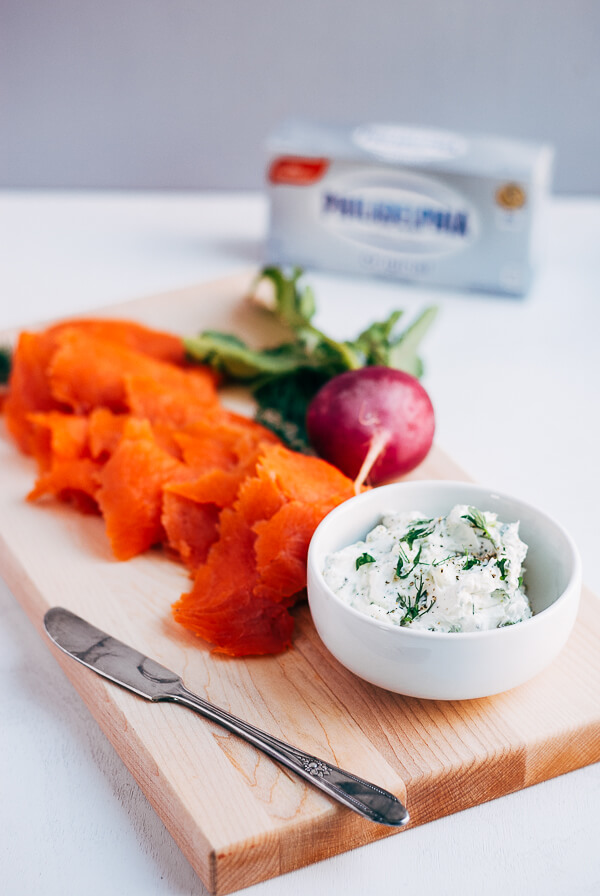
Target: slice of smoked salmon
{"x": 86, "y": 372}
{"x": 259, "y": 498}
{"x": 220, "y": 484}
{"x": 221, "y": 439}
{"x": 218, "y": 487}
{"x": 160, "y": 402}
{"x": 74, "y": 481}
{"x": 105, "y": 431}
{"x": 222, "y": 607}
{"x": 191, "y": 527}
{"x": 304, "y": 478}
{"x": 60, "y": 445}
{"x": 58, "y": 435}
{"x": 281, "y": 548}
{"x": 191, "y": 521}
{"x": 29, "y": 389}
{"x": 313, "y": 488}
{"x": 154, "y": 343}
{"x": 240, "y": 594}
{"x": 131, "y": 490}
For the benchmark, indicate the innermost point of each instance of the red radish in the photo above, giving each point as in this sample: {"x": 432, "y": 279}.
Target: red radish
{"x": 374, "y": 423}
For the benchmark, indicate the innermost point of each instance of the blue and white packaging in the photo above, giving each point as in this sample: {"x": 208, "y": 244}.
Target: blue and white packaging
{"x": 407, "y": 203}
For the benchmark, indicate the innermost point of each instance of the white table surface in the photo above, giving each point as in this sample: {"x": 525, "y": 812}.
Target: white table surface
{"x": 515, "y": 384}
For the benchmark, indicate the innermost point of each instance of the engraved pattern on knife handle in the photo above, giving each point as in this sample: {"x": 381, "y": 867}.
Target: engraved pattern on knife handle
{"x": 363, "y": 797}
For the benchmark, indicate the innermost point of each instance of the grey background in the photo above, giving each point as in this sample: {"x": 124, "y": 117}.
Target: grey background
{"x": 181, "y": 93}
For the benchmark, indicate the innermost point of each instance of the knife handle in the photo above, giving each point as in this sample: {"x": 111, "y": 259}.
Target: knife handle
{"x": 367, "y": 799}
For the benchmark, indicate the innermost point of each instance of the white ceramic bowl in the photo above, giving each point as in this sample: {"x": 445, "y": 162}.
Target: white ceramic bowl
{"x": 438, "y": 665}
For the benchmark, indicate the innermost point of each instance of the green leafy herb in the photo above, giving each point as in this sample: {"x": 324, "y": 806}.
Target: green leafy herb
{"x": 470, "y": 562}
{"x": 5, "y": 364}
{"x": 445, "y": 560}
{"x": 402, "y": 353}
{"x": 477, "y": 520}
{"x": 520, "y": 581}
{"x": 416, "y": 608}
{"x": 295, "y": 307}
{"x": 502, "y": 567}
{"x": 231, "y": 356}
{"x": 282, "y": 404}
{"x": 378, "y": 345}
{"x": 418, "y": 529}
{"x": 402, "y": 559}
{"x": 405, "y": 575}
{"x": 285, "y": 378}
{"x": 364, "y": 558}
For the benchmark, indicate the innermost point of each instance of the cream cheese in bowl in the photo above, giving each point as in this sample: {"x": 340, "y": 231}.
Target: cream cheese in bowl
{"x": 461, "y": 572}
{"x": 405, "y": 637}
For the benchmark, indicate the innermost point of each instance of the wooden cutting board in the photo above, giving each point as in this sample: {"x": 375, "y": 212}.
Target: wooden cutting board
{"x": 238, "y": 816}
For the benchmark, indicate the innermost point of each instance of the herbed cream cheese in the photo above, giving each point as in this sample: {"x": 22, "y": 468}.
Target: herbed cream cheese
{"x": 458, "y": 573}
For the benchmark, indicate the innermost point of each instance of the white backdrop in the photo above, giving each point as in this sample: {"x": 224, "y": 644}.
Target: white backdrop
{"x": 181, "y": 93}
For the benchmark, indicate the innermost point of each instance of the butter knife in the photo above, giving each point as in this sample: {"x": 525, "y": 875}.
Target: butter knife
{"x": 138, "y": 673}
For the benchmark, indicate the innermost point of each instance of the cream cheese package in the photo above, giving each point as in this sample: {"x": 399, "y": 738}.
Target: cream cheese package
{"x": 407, "y": 203}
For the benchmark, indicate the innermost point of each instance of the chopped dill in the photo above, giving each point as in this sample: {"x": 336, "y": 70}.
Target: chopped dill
{"x": 416, "y": 608}
{"x": 445, "y": 560}
{"x": 477, "y": 520}
{"x": 405, "y": 575}
{"x": 502, "y": 567}
{"x": 364, "y": 558}
{"x": 470, "y": 562}
{"x": 402, "y": 559}
{"x": 418, "y": 529}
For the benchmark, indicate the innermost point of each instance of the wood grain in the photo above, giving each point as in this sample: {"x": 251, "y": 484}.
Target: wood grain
{"x": 238, "y": 816}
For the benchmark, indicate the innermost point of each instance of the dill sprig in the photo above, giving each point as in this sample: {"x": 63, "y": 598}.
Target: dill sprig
{"x": 418, "y": 529}
{"x": 416, "y": 608}
{"x": 477, "y": 520}
{"x": 402, "y": 559}
{"x": 445, "y": 559}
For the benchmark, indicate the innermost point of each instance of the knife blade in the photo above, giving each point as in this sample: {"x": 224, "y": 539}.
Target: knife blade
{"x": 127, "y": 667}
